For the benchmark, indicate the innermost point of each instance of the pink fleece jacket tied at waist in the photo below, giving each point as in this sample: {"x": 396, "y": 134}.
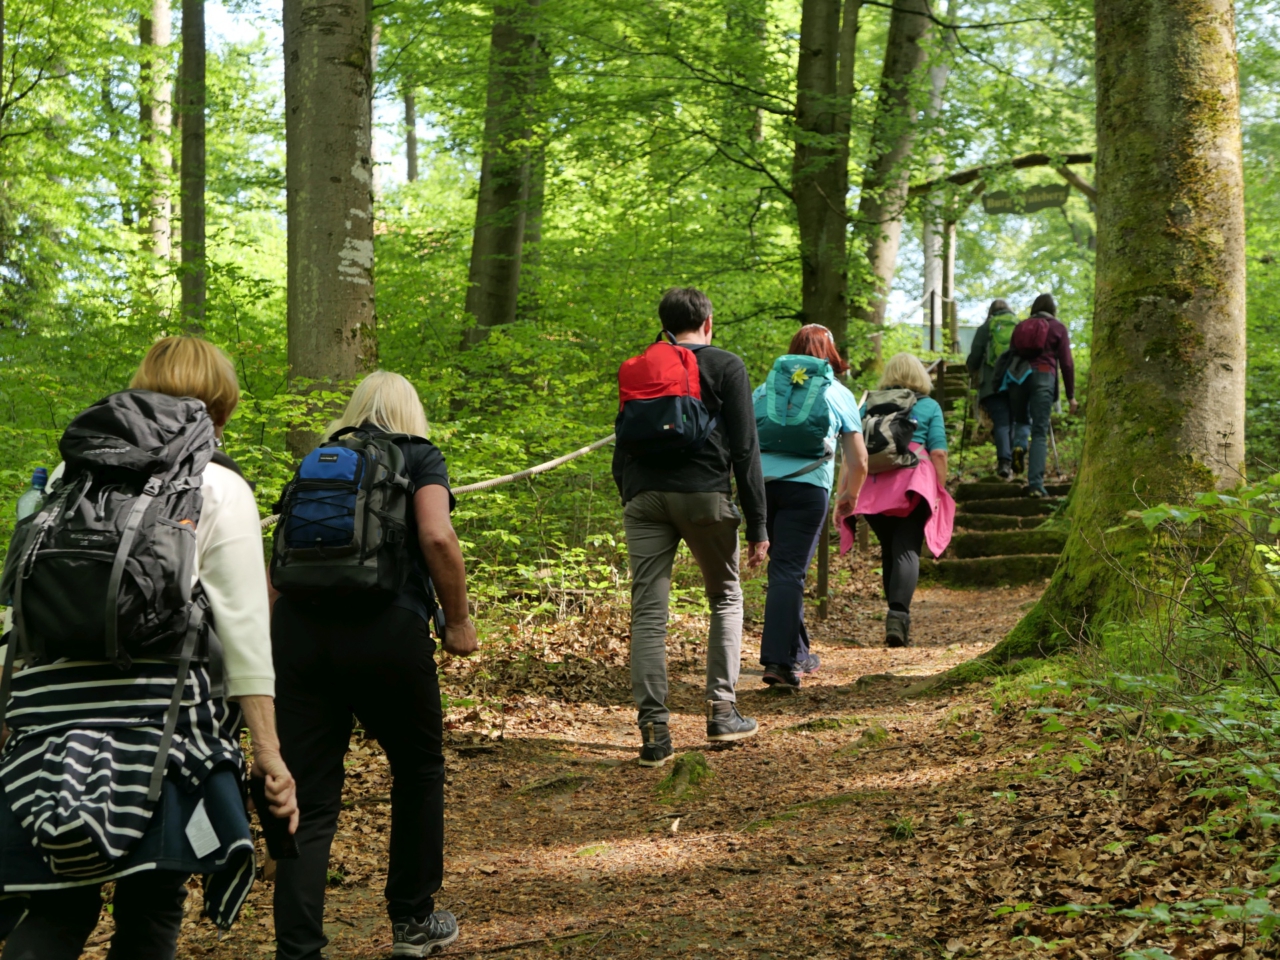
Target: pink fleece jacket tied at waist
{"x": 897, "y": 492}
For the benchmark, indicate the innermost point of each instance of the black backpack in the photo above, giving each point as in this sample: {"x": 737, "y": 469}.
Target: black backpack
{"x": 887, "y": 430}
{"x": 344, "y": 520}
{"x": 105, "y": 569}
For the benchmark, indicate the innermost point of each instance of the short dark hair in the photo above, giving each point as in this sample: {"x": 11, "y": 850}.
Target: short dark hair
{"x": 683, "y": 309}
{"x": 1045, "y": 304}
{"x": 998, "y": 305}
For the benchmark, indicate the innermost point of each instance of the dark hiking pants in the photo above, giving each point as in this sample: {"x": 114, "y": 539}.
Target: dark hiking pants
{"x": 796, "y": 512}
{"x": 900, "y": 541}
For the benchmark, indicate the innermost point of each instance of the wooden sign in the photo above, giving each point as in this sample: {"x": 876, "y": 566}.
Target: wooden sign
{"x": 1028, "y": 201}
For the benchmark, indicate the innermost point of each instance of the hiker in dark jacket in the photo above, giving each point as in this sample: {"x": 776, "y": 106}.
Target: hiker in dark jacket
{"x": 1034, "y": 397}
{"x": 989, "y": 342}
{"x": 689, "y": 497}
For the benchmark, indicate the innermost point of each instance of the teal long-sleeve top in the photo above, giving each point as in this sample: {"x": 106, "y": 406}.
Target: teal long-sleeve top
{"x": 931, "y": 430}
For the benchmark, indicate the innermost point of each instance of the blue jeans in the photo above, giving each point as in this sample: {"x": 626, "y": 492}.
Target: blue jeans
{"x": 1034, "y": 399}
{"x": 796, "y": 512}
{"x": 1006, "y": 432}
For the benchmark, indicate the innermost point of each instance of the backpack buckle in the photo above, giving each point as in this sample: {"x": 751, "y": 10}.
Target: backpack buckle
{"x": 153, "y": 487}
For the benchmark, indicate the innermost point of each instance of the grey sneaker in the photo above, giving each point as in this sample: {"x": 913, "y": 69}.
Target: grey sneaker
{"x": 414, "y": 938}
{"x": 657, "y": 748}
{"x": 809, "y": 664}
{"x": 781, "y": 676}
{"x": 1005, "y": 470}
{"x": 897, "y": 629}
{"x": 725, "y": 723}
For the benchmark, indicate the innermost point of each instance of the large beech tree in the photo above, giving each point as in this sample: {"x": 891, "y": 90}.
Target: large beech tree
{"x": 329, "y": 173}
{"x": 1167, "y": 377}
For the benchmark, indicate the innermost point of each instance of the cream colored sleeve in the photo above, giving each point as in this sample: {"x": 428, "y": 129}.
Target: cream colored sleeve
{"x": 230, "y": 565}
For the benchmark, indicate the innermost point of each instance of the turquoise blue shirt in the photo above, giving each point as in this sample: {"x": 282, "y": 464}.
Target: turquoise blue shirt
{"x": 843, "y": 409}
{"x": 931, "y": 431}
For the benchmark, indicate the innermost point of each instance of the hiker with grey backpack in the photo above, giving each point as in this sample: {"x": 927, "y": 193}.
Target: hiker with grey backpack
{"x": 139, "y": 641}
{"x": 904, "y": 499}
{"x": 802, "y": 412}
{"x": 367, "y": 563}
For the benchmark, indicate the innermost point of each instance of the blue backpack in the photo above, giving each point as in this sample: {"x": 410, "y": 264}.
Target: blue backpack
{"x": 792, "y": 416}
{"x": 344, "y": 519}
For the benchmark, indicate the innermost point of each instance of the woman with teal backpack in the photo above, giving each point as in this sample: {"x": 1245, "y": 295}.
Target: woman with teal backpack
{"x": 801, "y": 410}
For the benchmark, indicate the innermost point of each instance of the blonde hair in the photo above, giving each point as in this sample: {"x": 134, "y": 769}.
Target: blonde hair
{"x": 191, "y": 367}
{"x": 386, "y": 400}
{"x": 905, "y": 370}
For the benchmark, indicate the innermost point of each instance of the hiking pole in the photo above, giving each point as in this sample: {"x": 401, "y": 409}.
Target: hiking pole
{"x": 1057, "y": 467}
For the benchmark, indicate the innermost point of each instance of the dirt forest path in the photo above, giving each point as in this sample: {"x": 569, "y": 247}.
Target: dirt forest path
{"x": 862, "y": 821}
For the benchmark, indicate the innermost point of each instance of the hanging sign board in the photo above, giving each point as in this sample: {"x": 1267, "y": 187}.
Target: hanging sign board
{"x": 1029, "y": 201}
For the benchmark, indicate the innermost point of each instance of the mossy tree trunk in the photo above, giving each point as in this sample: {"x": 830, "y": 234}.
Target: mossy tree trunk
{"x": 192, "y": 173}
{"x": 497, "y": 244}
{"x": 820, "y": 169}
{"x": 886, "y": 180}
{"x": 328, "y": 84}
{"x": 1166, "y": 387}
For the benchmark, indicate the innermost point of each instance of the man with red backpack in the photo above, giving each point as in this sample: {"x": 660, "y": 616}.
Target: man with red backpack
{"x": 686, "y": 422}
{"x": 1043, "y": 342}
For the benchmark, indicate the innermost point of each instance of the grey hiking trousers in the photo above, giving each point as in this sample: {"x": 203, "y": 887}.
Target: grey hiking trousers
{"x": 656, "y": 521}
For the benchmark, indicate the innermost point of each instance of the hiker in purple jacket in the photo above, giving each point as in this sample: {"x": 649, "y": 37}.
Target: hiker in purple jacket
{"x": 1034, "y": 397}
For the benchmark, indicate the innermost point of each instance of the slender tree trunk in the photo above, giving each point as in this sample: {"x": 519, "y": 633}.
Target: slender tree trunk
{"x": 820, "y": 168}
{"x": 933, "y": 236}
{"x": 193, "y": 171}
{"x": 155, "y": 111}
{"x": 887, "y": 176}
{"x": 1166, "y": 381}
{"x": 410, "y": 135}
{"x": 498, "y": 241}
{"x": 329, "y": 179}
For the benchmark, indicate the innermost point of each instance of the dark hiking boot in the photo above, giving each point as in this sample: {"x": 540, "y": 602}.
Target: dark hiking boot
{"x": 1004, "y": 470}
{"x": 809, "y": 664}
{"x": 1038, "y": 492}
{"x": 421, "y": 938}
{"x": 725, "y": 723}
{"x": 781, "y": 676}
{"x": 896, "y": 629}
{"x": 657, "y": 748}
{"x": 1019, "y": 460}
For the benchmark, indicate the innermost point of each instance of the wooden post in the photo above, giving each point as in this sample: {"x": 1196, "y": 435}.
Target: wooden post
{"x": 949, "y": 285}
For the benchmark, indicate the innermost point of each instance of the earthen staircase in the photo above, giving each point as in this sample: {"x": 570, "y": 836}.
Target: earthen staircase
{"x": 999, "y": 536}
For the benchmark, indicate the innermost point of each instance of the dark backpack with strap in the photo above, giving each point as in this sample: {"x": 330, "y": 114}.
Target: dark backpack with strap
{"x": 344, "y": 519}
{"x": 887, "y": 429}
{"x": 1030, "y": 336}
{"x": 105, "y": 570}
{"x": 660, "y": 407}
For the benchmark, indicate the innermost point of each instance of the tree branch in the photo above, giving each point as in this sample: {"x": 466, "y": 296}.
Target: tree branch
{"x": 1017, "y": 163}
{"x": 1079, "y": 182}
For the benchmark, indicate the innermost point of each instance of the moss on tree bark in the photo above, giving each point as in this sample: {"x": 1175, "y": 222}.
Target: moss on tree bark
{"x": 1166, "y": 383}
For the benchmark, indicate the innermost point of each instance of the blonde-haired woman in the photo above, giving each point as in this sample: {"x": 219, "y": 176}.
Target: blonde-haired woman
{"x": 908, "y": 505}
{"x": 336, "y": 660}
{"x": 150, "y": 890}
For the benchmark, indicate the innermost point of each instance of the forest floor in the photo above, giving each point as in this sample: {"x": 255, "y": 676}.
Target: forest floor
{"x": 865, "y": 820}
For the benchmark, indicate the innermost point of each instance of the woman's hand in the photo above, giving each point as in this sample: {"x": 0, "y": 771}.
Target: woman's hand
{"x": 460, "y": 638}
{"x": 282, "y": 791}
{"x": 845, "y": 505}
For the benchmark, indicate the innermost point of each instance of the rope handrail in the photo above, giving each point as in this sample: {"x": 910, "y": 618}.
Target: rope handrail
{"x": 510, "y": 477}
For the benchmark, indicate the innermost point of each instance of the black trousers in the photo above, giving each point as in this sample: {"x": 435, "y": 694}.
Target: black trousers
{"x": 147, "y": 910}
{"x": 796, "y": 512}
{"x": 382, "y": 669}
{"x": 900, "y": 541}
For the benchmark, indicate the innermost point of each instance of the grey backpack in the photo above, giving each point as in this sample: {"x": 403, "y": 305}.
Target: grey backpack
{"x": 887, "y": 429}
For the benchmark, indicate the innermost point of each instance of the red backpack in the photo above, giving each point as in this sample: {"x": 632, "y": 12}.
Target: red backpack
{"x": 660, "y": 408}
{"x": 1030, "y": 337}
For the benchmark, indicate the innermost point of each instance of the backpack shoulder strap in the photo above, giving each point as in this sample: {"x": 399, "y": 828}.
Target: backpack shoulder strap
{"x": 222, "y": 460}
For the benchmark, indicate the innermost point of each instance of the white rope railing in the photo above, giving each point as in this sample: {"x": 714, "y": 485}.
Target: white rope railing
{"x": 510, "y": 477}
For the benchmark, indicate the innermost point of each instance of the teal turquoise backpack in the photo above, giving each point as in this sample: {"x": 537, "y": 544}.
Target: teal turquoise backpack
{"x": 792, "y": 417}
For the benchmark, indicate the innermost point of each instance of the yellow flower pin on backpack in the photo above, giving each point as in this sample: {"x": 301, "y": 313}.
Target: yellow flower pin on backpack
{"x": 799, "y": 376}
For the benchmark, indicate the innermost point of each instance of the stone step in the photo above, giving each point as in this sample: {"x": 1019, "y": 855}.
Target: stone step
{"x": 1021, "y": 507}
{"x": 999, "y": 490}
{"x": 1005, "y": 543}
{"x": 996, "y": 521}
{"x": 989, "y": 571}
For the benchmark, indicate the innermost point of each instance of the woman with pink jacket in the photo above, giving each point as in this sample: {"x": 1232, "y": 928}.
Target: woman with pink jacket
{"x": 909, "y": 505}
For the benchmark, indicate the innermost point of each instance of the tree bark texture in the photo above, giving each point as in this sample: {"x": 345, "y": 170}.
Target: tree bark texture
{"x": 886, "y": 179}
{"x": 410, "y": 135}
{"x": 820, "y": 167}
{"x": 155, "y": 111}
{"x": 329, "y": 178}
{"x": 192, "y": 83}
{"x": 497, "y": 243}
{"x": 933, "y": 236}
{"x": 1166, "y": 382}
